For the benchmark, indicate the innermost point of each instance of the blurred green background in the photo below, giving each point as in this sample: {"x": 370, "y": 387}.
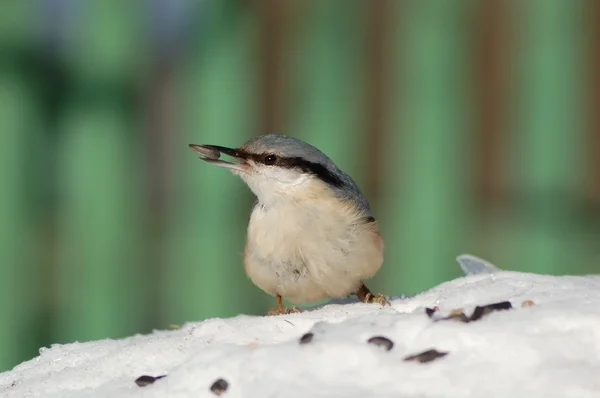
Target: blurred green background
{"x": 471, "y": 126}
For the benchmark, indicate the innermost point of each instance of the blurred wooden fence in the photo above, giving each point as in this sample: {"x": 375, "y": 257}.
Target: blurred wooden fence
{"x": 471, "y": 127}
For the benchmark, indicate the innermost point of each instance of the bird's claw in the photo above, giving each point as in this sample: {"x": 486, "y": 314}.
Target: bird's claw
{"x": 284, "y": 311}
{"x": 378, "y": 298}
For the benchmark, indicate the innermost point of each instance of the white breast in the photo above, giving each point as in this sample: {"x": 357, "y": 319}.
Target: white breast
{"x": 310, "y": 245}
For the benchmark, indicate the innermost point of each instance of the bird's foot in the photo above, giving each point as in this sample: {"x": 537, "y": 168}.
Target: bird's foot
{"x": 284, "y": 311}
{"x": 365, "y": 295}
{"x": 281, "y": 310}
{"x": 377, "y": 298}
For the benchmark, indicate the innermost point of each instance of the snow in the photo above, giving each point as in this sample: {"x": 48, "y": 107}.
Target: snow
{"x": 550, "y": 349}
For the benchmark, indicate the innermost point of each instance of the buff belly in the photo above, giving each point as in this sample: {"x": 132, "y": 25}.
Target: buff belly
{"x": 310, "y": 252}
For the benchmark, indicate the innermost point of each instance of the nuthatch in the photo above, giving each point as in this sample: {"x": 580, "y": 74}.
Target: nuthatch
{"x": 311, "y": 234}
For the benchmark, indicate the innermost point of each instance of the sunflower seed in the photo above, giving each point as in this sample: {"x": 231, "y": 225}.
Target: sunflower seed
{"x": 219, "y": 387}
{"x": 429, "y": 312}
{"x": 306, "y": 338}
{"x": 426, "y": 356}
{"x": 382, "y": 342}
{"x": 144, "y": 380}
{"x": 480, "y": 312}
{"x": 206, "y": 151}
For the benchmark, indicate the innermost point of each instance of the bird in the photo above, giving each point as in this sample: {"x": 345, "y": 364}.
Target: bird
{"x": 311, "y": 233}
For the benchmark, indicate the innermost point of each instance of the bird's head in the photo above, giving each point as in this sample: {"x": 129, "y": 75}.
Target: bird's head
{"x": 274, "y": 165}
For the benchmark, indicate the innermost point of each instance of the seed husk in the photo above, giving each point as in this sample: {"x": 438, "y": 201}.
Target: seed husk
{"x": 426, "y": 356}
{"x": 145, "y": 380}
{"x": 306, "y": 338}
{"x": 219, "y": 386}
{"x": 527, "y": 303}
{"x": 478, "y": 313}
{"x": 382, "y": 342}
{"x": 207, "y": 152}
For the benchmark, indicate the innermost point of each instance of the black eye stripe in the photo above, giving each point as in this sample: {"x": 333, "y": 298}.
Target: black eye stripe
{"x": 316, "y": 169}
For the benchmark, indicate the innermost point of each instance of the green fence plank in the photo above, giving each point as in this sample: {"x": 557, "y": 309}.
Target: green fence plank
{"x": 326, "y": 72}
{"x": 98, "y": 281}
{"x": 203, "y": 271}
{"x": 18, "y": 286}
{"x": 426, "y": 199}
{"x": 549, "y": 138}
{"x": 108, "y": 43}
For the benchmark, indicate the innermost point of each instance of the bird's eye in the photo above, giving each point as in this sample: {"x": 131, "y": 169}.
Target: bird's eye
{"x": 270, "y": 160}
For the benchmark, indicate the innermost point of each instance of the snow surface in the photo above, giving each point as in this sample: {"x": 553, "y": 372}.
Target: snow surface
{"x": 550, "y": 349}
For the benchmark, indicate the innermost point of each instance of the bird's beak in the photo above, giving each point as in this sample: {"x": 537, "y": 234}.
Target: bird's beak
{"x": 212, "y": 153}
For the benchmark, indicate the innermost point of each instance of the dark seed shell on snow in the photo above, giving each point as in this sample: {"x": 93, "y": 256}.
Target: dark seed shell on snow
{"x": 426, "y": 356}
{"x": 481, "y": 311}
{"x": 144, "y": 380}
{"x": 219, "y": 386}
{"x": 478, "y": 313}
{"x": 429, "y": 312}
{"x": 306, "y": 338}
{"x": 382, "y": 342}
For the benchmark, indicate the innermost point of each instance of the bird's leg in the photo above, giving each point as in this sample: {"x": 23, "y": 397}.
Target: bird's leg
{"x": 364, "y": 294}
{"x": 280, "y": 309}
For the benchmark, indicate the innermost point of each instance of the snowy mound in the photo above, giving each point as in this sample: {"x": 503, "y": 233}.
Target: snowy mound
{"x": 546, "y": 345}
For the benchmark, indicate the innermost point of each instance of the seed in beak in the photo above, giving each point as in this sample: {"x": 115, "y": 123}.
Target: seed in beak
{"x": 206, "y": 152}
